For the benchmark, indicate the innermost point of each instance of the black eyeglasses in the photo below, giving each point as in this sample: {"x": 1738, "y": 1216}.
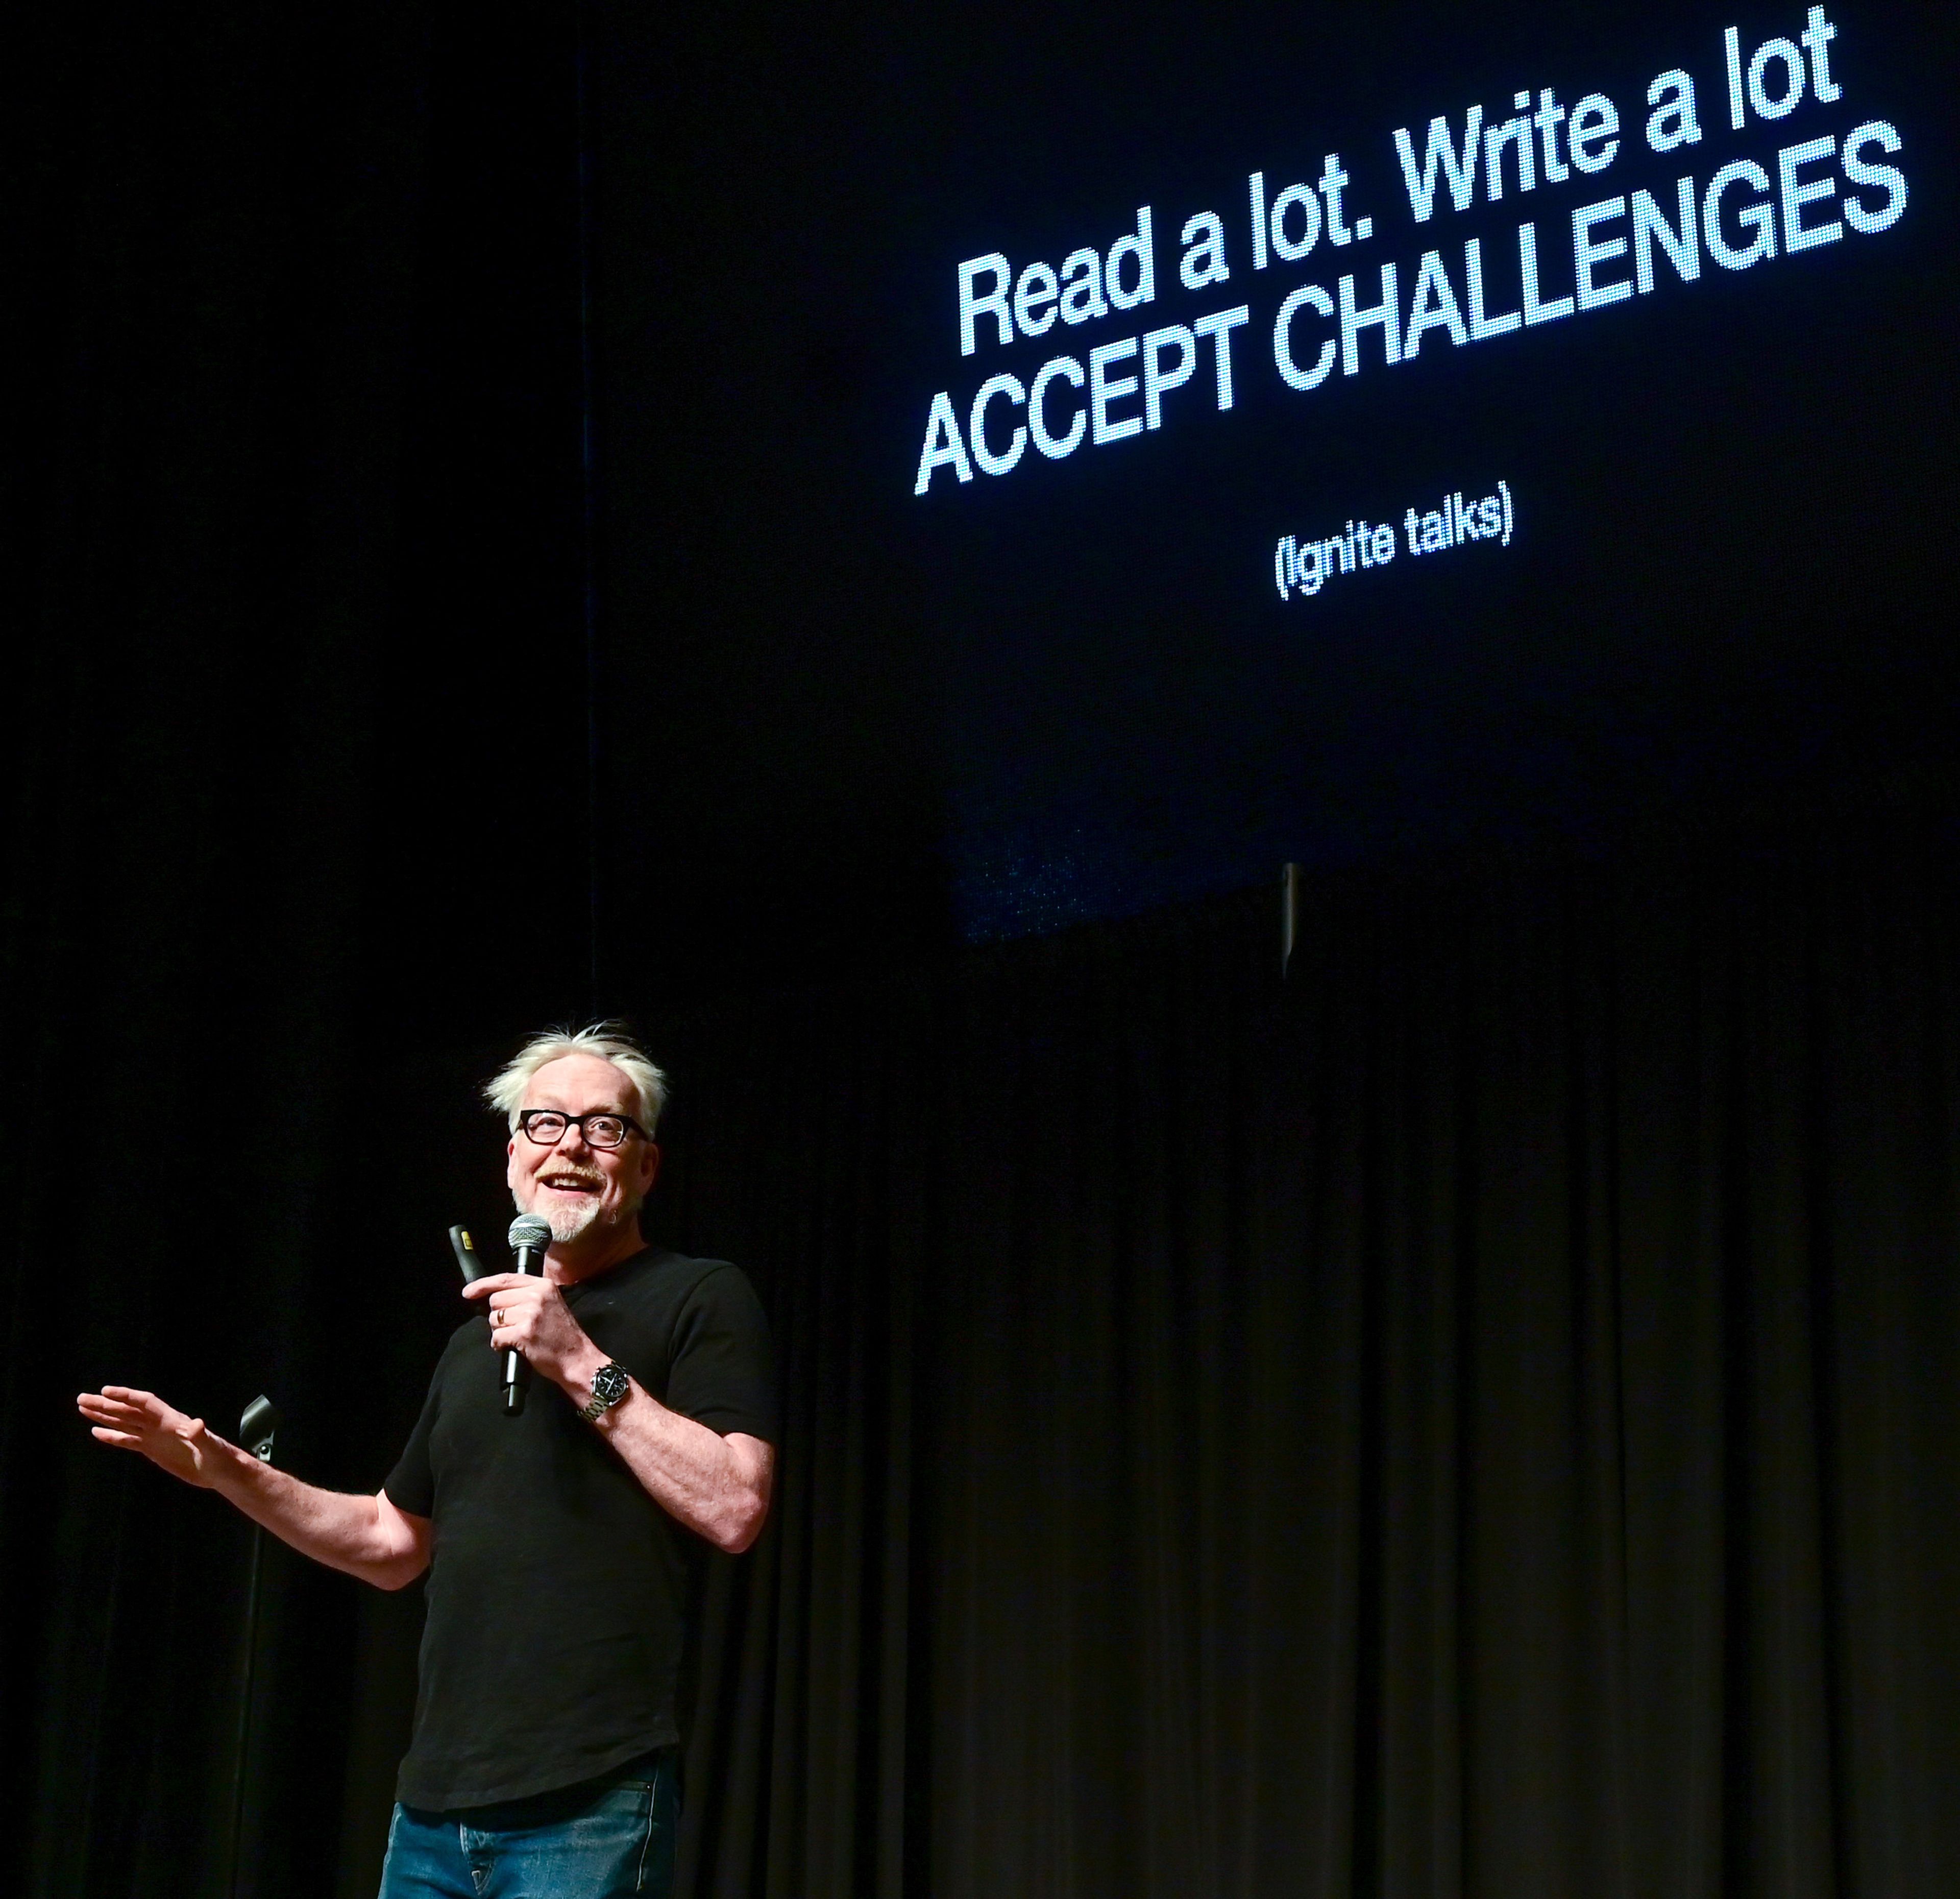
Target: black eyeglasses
{"x": 546, "y": 1126}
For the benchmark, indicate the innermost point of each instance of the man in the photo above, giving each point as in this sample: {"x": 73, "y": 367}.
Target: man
{"x": 546, "y": 1728}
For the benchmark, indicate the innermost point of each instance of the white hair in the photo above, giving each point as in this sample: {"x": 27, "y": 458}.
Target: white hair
{"x": 609, "y": 1042}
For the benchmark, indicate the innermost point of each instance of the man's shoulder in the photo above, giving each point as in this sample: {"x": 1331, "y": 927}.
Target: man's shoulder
{"x": 673, "y": 1301}
{"x": 659, "y": 1277}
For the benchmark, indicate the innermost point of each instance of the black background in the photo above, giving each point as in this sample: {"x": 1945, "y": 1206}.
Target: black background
{"x": 1076, "y": 681}
{"x": 1478, "y": 1417}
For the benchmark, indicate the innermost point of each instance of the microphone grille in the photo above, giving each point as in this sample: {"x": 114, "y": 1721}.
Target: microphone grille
{"x": 531, "y": 1230}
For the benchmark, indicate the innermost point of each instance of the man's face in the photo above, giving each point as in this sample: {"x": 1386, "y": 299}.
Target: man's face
{"x": 575, "y": 1186}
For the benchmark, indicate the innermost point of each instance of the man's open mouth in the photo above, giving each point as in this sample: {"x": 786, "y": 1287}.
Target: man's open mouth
{"x": 570, "y": 1183}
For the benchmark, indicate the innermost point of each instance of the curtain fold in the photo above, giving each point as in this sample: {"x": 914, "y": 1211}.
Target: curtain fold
{"x": 1476, "y": 1418}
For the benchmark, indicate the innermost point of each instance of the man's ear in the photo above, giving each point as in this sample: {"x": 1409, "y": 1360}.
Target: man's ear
{"x": 653, "y": 1166}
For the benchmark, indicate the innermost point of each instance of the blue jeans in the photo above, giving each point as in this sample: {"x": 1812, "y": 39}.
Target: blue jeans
{"x": 596, "y": 1841}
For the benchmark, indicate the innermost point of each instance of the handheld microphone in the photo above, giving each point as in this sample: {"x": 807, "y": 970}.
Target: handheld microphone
{"x": 530, "y": 1234}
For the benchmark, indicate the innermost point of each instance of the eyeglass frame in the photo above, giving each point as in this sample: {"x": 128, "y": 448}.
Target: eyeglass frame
{"x": 526, "y": 1115}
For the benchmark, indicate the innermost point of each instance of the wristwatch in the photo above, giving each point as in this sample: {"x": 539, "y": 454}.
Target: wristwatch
{"x": 609, "y": 1385}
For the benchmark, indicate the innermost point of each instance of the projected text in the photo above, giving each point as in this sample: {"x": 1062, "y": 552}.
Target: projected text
{"x": 1778, "y": 199}
{"x": 1304, "y": 567}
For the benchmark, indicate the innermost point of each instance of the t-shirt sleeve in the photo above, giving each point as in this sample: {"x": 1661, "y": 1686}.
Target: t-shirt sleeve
{"x": 720, "y": 1365}
{"x": 411, "y": 1484}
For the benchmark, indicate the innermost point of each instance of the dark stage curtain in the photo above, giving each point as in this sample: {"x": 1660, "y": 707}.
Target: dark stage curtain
{"x": 289, "y": 579}
{"x": 1479, "y": 1418}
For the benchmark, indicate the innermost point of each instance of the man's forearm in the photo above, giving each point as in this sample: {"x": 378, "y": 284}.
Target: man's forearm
{"x": 718, "y": 1487}
{"x": 362, "y": 1535}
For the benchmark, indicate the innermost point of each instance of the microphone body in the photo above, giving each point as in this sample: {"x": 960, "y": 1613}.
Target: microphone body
{"x": 529, "y": 1236}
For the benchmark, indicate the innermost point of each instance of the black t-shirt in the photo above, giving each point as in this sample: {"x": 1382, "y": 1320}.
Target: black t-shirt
{"x": 557, "y": 1588}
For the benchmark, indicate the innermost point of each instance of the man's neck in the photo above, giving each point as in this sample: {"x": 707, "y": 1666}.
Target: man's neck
{"x": 568, "y": 1261}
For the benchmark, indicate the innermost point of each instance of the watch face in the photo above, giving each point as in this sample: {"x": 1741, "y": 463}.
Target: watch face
{"x": 608, "y": 1384}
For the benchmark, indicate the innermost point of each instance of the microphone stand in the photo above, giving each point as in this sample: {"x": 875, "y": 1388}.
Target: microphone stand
{"x": 255, "y": 1434}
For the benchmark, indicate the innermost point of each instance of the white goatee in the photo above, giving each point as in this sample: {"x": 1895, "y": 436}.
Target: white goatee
{"x": 566, "y": 1223}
